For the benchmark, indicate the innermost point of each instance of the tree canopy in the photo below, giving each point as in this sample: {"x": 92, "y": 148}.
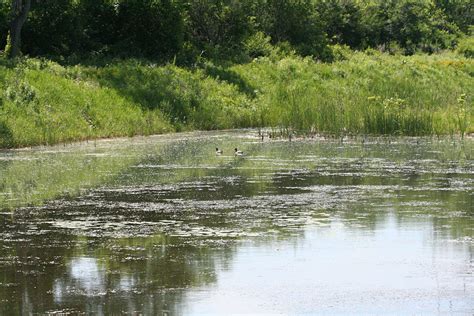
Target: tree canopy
{"x": 188, "y": 29}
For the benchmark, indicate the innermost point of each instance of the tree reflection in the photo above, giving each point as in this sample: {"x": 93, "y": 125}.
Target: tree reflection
{"x": 170, "y": 216}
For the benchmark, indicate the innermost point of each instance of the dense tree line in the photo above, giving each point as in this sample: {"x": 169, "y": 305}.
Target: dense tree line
{"x": 235, "y": 29}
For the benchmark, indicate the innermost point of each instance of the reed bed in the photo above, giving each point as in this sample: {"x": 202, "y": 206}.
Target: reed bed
{"x": 366, "y": 94}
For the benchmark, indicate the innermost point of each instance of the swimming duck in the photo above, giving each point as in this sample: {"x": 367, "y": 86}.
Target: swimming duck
{"x": 238, "y": 152}
{"x": 219, "y": 151}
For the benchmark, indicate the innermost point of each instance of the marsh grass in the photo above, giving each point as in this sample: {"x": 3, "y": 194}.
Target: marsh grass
{"x": 43, "y": 102}
{"x": 366, "y": 94}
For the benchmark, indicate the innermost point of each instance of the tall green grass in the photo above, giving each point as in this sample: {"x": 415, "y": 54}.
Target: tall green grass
{"x": 368, "y": 94}
{"x": 43, "y": 102}
{"x": 42, "y": 105}
{"x": 189, "y": 99}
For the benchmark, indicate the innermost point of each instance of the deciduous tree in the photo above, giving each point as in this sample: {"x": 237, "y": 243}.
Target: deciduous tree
{"x": 19, "y": 13}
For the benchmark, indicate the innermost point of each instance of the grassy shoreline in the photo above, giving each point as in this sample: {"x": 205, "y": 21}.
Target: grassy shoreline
{"x": 368, "y": 94}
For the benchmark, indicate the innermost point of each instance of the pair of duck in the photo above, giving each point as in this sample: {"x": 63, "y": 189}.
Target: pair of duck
{"x": 237, "y": 152}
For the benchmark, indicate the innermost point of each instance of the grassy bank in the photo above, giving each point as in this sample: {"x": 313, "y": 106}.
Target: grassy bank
{"x": 366, "y": 94}
{"x": 44, "y": 103}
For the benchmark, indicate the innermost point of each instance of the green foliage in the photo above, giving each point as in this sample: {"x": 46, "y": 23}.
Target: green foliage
{"x": 258, "y": 45}
{"x": 186, "y": 31}
{"x": 459, "y": 12}
{"x": 187, "y": 99}
{"x": 291, "y": 21}
{"x": 52, "y": 28}
{"x": 414, "y": 25}
{"x": 217, "y": 28}
{"x": 4, "y": 20}
{"x": 466, "y": 47}
{"x": 149, "y": 28}
{"x": 18, "y": 90}
{"x": 463, "y": 114}
{"x": 44, "y": 102}
{"x": 99, "y": 24}
{"x": 21, "y": 93}
{"x": 340, "y": 52}
{"x": 8, "y": 46}
{"x": 342, "y": 21}
{"x": 374, "y": 94}
{"x": 43, "y": 105}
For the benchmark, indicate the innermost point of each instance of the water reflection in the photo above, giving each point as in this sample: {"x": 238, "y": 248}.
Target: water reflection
{"x": 162, "y": 224}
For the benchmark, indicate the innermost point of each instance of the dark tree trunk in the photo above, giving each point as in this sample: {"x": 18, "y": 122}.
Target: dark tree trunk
{"x": 20, "y": 9}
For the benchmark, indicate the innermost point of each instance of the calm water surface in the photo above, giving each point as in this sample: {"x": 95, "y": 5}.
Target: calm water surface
{"x": 162, "y": 225}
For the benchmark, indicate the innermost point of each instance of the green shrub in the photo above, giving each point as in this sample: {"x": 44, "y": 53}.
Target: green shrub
{"x": 466, "y": 47}
{"x": 21, "y": 93}
{"x": 340, "y": 52}
{"x": 258, "y": 45}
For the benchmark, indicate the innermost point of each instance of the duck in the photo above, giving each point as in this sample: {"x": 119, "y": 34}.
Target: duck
{"x": 219, "y": 151}
{"x": 238, "y": 152}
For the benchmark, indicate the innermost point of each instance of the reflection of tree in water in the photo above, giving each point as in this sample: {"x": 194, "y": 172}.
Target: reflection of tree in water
{"x": 31, "y": 257}
{"x": 146, "y": 275}
{"x": 56, "y": 271}
{"x": 172, "y": 221}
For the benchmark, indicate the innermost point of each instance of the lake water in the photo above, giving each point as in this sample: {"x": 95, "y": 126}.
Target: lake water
{"x": 163, "y": 226}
